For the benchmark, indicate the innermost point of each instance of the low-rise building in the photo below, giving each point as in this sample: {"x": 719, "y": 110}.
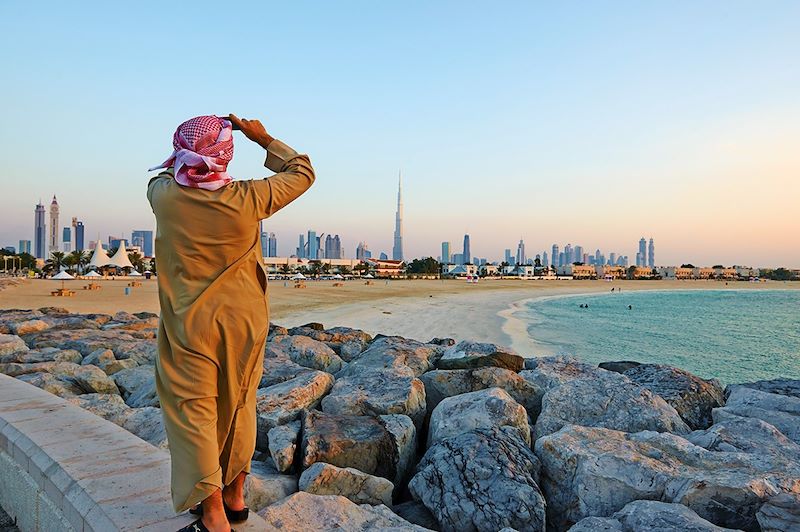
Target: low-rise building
{"x": 584, "y": 271}
{"x": 459, "y": 270}
{"x": 386, "y": 268}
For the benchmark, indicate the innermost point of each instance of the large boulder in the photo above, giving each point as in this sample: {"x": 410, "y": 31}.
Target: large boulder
{"x": 393, "y": 352}
{"x": 691, "y": 396}
{"x": 608, "y": 400}
{"x": 780, "y": 513}
{"x": 59, "y": 369}
{"x": 365, "y": 443}
{"x": 469, "y": 355}
{"x": 283, "y": 444}
{"x": 780, "y": 411}
{"x": 404, "y": 438}
{"x": 415, "y": 512}
{"x": 619, "y": 366}
{"x": 50, "y": 383}
{"x": 652, "y": 516}
{"x": 374, "y": 392}
{"x": 477, "y": 410}
{"x": 137, "y": 386}
{"x": 105, "y": 360}
{"x": 265, "y": 486}
{"x": 11, "y": 343}
{"x": 92, "y": 379}
{"x": 146, "y": 423}
{"x": 440, "y": 384}
{"x": 789, "y": 387}
{"x": 304, "y": 351}
{"x": 359, "y": 487}
{"x": 589, "y": 471}
{"x": 482, "y": 480}
{"x": 305, "y": 511}
{"x": 278, "y": 370}
{"x": 551, "y": 371}
{"x": 46, "y": 354}
{"x": 281, "y": 403}
{"x": 733, "y": 433}
{"x": 346, "y": 342}
{"x": 29, "y": 326}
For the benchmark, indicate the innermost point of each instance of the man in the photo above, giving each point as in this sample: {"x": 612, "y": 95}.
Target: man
{"x": 214, "y": 308}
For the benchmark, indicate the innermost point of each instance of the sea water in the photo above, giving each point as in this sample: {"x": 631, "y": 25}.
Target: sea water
{"x": 731, "y": 335}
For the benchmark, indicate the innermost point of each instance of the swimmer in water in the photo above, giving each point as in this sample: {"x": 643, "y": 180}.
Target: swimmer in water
{"x": 630, "y": 307}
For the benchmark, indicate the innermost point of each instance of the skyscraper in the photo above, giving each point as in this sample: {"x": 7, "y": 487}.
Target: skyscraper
{"x": 79, "y": 242}
{"x": 53, "y": 245}
{"x": 544, "y": 259}
{"x": 507, "y": 256}
{"x": 66, "y": 239}
{"x": 554, "y": 255}
{"x": 363, "y": 252}
{"x": 301, "y": 247}
{"x": 397, "y": 250}
{"x": 467, "y": 257}
{"x": 333, "y": 247}
{"x": 144, "y": 240}
{"x": 25, "y": 246}
{"x": 272, "y": 245}
{"x": 641, "y": 258}
{"x": 313, "y": 245}
{"x": 568, "y": 257}
{"x": 651, "y": 254}
{"x": 446, "y": 253}
{"x": 40, "y": 232}
{"x": 521, "y": 259}
{"x": 578, "y": 254}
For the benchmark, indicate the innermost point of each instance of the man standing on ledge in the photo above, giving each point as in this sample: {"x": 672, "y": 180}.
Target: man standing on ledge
{"x": 214, "y": 310}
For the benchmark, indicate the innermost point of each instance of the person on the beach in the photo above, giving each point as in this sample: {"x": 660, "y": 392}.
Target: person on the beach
{"x": 214, "y": 312}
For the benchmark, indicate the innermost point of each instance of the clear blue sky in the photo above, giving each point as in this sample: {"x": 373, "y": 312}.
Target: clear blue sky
{"x": 592, "y": 123}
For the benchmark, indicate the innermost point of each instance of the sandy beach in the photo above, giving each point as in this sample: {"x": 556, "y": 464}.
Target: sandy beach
{"x": 420, "y": 309}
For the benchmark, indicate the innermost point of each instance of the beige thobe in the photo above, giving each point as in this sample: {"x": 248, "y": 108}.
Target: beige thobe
{"x": 212, "y": 288}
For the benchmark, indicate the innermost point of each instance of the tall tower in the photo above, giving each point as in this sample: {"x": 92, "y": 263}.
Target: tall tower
{"x": 397, "y": 250}
{"x": 521, "y": 258}
{"x": 554, "y": 256}
{"x": 446, "y": 255}
{"x": 467, "y": 255}
{"x": 642, "y": 257}
{"x": 651, "y": 254}
{"x": 53, "y": 226}
{"x": 40, "y": 232}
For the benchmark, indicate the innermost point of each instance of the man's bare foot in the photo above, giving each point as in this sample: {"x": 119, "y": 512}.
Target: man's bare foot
{"x": 214, "y": 518}
{"x": 233, "y": 493}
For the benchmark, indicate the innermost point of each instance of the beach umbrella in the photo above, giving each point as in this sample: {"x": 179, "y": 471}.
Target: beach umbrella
{"x": 338, "y": 276}
{"x": 93, "y": 274}
{"x": 62, "y": 276}
{"x": 134, "y": 273}
{"x": 369, "y": 276}
{"x": 298, "y": 276}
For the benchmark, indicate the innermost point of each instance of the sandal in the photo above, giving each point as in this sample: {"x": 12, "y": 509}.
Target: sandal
{"x": 196, "y": 526}
{"x": 234, "y": 516}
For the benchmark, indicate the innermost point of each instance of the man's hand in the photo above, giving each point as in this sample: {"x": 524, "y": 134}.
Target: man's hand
{"x": 252, "y": 129}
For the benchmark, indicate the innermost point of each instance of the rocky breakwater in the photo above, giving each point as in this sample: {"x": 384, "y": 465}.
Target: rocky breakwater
{"x": 388, "y": 433}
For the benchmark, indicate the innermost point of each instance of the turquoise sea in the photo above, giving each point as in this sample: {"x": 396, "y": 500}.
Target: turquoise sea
{"x": 732, "y": 335}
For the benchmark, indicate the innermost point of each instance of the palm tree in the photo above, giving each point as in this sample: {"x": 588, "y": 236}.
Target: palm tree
{"x": 55, "y": 262}
{"x": 314, "y": 268}
{"x": 326, "y": 268}
{"x": 77, "y": 258}
{"x": 137, "y": 260}
{"x": 286, "y": 269}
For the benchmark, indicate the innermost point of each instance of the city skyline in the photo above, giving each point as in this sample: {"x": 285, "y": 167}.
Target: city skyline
{"x": 665, "y": 120}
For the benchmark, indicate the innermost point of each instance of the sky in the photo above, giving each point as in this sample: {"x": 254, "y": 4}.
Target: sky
{"x": 592, "y": 123}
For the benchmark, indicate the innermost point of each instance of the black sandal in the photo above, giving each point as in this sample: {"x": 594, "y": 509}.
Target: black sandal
{"x": 234, "y": 516}
{"x": 196, "y": 526}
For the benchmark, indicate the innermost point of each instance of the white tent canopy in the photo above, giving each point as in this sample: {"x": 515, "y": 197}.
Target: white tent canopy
{"x": 99, "y": 257}
{"x": 369, "y": 276}
{"x": 62, "y": 276}
{"x": 92, "y": 274}
{"x": 338, "y": 276}
{"x": 298, "y": 276}
{"x": 120, "y": 258}
{"x": 134, "y": 273}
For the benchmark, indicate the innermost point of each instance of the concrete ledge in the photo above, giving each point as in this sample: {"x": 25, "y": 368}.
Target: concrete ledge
{"x": 63, "y": 468}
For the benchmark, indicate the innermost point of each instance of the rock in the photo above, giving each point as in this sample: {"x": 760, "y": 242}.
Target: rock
{"x": 374, "y": 392}
{"x": 283, "y": 444}
{"x": 415, "y": 512}
{"x": 779, "y": 386}
{"x": 590, "y": 471}
{"x": 277, "y": 330}
{"x": 278, "y": 370}
{"x": 650, "y": 515}
{"x": 608, "y": 400}
{"x": 50, "y": 383}
{"x": 305, "y": 351}
{"x": 137, "y": 385}
{"x": 265, "y": 486}
{"x": 361, "y": 442}
{"x": 110, "y": 407}
{"x": 148, "y": 424}
{"x": 346, "y": 342}
{"x": 124, "y": 317}
{"x": 780, "y": 513}
{"x": 445, "y": 342}
{"x": 11, "y": 343}
{"x": 393, "y": 352}
{"x": 59, "y": 369}
{"x": 691, "y": 396}
{"x": 29, "y": 326}
{"x": 733, "y": 433}
{"x": 440, "y": 384}
{"x": 404, "y": 437}
{"x": 116, "y": 366}
{"x": 326, "y": 479}
{"x": 282, "y": 403}
{"x": 620, "y": 366}
{"x": 304, "y": 511}
{"x": 99, "y": 357}
{"x": 549, "y": 372}
{"x": 780, "y": 411}
{"x": 477, "y": 410}
{"x": 469, "y": 355}
{"x": 92, "y": 379}
{"x": 482, "y": 480}
{"x": 47, "y": 354}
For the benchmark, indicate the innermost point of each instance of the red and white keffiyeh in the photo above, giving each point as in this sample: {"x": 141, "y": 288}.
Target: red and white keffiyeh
{"x": 203, "y": 148}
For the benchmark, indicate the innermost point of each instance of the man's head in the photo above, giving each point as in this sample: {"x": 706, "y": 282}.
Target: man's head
{"x": 203, "y": 147}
